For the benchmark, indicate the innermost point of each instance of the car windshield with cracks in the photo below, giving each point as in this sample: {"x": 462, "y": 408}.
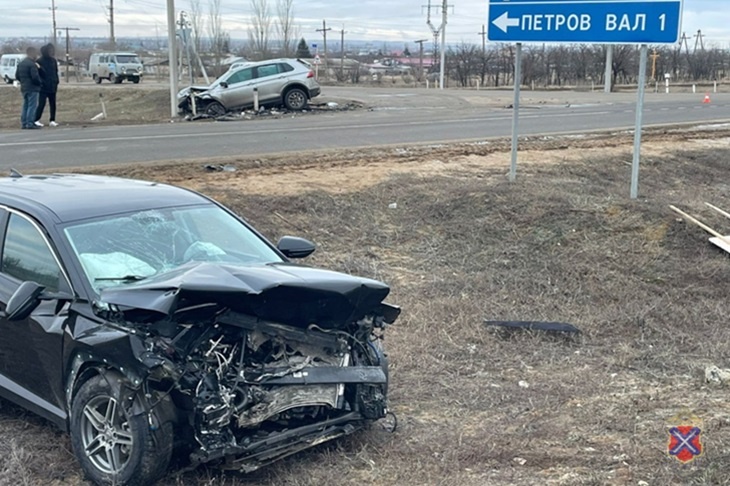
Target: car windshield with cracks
{"x": 129, "y": 248}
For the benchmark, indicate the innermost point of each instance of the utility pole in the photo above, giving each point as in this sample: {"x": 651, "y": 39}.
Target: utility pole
{"x": 324, "y": 31}
{"x": 172, "y": 56}
{"x": 420, "y": 58}
{"x": 440, "y": 31}
{"x": 699, "y": 41}
{"x": 112, "y": 38}
{"x": 608, "y": 77}
{"x": 654, "y": 56}
{"x": 342, "y": 54}
{"x": 53, "y": 9}
{"x": 483, "y": 35}
{"x": 68, "y": 48}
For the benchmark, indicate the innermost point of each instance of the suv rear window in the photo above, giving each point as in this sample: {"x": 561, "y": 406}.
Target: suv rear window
{"x": 268, "y": 70}
{"x": 285, "y": 68}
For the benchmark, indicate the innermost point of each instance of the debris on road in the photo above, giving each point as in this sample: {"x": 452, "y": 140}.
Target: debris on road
{"x": 277, "y": 112}
{"x": 716, "y": 376}
{"x": 219, "y": 168}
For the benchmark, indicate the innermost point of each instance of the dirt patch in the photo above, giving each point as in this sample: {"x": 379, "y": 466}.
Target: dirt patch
{"x": 464, "y": 245}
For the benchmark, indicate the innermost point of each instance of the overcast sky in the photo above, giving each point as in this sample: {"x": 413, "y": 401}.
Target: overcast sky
{"x": 374, "y": 20}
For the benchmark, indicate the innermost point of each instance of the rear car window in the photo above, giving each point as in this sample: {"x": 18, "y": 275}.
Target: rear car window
{"x": 268, "y": 70}
{"x": 285, "y": 68}
{"x": 26, "y": 255}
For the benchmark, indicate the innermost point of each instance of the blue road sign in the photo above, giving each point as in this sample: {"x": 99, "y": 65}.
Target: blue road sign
{"x": 586, "y": 21}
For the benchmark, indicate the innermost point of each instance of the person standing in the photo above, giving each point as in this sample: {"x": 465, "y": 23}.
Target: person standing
{"x": 49, "y": 88}
{"x": 29, "y": 77}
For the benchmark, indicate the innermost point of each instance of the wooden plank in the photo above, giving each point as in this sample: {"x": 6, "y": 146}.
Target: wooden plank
{"x": 723, "y": 238}
{"x": 715, "y": 208}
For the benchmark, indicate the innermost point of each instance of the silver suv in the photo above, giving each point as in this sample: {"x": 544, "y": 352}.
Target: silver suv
{"x": 279, "y": 81}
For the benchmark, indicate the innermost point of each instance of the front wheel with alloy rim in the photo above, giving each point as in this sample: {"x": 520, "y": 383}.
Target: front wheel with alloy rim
{"x": 296, "y": 99}
{"x": 114, "y": 445}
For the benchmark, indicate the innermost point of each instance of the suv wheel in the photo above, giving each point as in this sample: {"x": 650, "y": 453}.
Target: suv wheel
{"x": 97, "y": 79}
{"x": 8, "y": 80}
{"x": 112, "y": 445}
{"x": 215, "y": 109}
{"x": 296, "y": 99}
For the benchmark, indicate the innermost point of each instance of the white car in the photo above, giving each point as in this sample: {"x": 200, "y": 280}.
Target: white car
{"x": 288, "y": 82}
{"x": 8, "y": 65}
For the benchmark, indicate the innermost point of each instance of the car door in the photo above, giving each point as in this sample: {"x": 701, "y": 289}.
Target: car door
{"x": 269, "y": 82}
{"x": 239, "y": 90}
{"x": 31, "y": 354}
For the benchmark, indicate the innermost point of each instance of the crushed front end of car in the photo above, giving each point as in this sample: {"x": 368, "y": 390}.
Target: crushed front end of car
{"x": 260, "y": 362}
{"x": 201, "y": 96}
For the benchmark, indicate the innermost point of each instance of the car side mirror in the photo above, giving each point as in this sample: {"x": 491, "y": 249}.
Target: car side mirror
{"x": 296, "y": 248}
{"x": 24, "y": 301}
{"x": 224, "y": 84}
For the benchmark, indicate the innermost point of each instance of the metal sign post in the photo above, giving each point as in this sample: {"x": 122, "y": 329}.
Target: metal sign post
{"x": 639, "y": 121}
{"x": 516, "y": 112}
{"x": 588, "y": 22}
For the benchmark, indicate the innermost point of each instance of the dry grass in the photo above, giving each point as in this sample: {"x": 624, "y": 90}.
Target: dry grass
{"x": 463, "y": 246}
{"x": 78, "y": 105}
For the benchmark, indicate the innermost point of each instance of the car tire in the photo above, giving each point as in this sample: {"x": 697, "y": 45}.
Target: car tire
{"x": 97, "y": 79}
{"x": 296, "y": 99}
{"x": 113, "y": 446}
{"x": 8, "y": 80}
{"x": 136, "y": 80}
{"x": 215, "y": 109}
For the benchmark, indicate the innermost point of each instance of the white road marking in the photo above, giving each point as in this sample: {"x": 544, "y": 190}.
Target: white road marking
{"x": 173, "y": 136}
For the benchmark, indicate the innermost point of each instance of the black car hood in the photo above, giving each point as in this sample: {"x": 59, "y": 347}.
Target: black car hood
{"x": 283, "y": 293}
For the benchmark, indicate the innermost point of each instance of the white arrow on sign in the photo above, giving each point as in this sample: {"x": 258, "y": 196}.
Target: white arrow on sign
{"x": 503, "y": 22}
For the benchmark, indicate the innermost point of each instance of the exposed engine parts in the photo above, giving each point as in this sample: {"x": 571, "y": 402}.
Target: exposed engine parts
{"x": 254, "y": 391}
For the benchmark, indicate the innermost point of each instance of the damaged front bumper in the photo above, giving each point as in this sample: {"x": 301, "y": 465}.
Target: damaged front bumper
{"x": 251, "y": 378}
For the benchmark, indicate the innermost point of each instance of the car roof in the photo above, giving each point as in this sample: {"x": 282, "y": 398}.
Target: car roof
{"x": 72, "y": 197}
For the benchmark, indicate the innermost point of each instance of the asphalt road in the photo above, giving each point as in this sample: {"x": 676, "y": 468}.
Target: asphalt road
{"x": 397, "y": 118}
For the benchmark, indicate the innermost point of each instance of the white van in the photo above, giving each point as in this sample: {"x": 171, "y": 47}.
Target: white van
{"x": 116, "y": 67}
{"x": 8, "y": 65}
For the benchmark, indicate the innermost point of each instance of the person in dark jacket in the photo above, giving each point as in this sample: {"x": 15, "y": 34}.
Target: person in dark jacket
{"x": 29, "y": 78}
{"x": 49, "y": 88}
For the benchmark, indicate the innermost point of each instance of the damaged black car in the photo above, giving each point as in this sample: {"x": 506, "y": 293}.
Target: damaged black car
{"x": 150, "y": 322}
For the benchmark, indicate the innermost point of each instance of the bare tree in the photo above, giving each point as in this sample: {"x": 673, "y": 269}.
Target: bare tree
{"x": 219, "y": 39}
{"x": 197, "y": 23}
{"x": 285, "y": 25}
{"x": 259, "y": 32}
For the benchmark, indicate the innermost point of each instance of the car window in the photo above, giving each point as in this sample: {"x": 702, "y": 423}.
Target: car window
{"x": 26, "y": 255}
{"x": 285, "y": 68}
{"x": 240, "y": 76}
{"x": 268, "y": 70}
